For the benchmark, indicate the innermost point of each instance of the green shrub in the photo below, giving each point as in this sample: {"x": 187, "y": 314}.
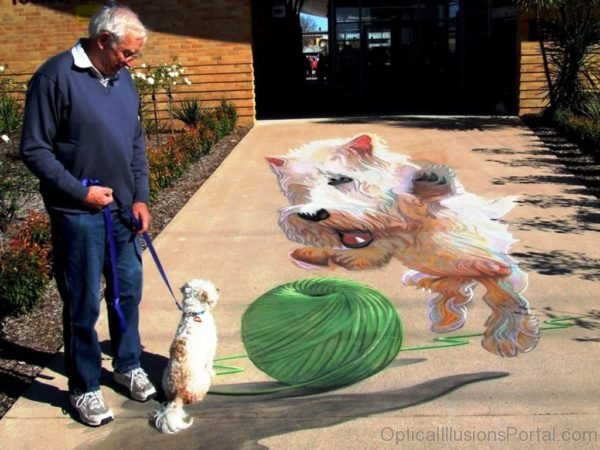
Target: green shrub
{"x": 591, "y": 106}
{"x": 209, "y": 128}
{"x": 584, "y": 130}
{"x": 189, "y": 112}
{"x": 226, "y": 118}
{"x": 169, "y": 160}
{"x": 25, "y": 266}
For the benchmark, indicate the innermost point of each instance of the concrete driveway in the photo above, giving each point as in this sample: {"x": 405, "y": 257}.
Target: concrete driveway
{"x": 459, "y": 397}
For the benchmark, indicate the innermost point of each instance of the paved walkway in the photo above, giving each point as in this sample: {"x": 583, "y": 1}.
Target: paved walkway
{"x": 461, "y": 397}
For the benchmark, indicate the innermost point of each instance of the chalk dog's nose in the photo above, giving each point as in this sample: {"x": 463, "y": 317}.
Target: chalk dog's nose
{"x": 321, "y": 214}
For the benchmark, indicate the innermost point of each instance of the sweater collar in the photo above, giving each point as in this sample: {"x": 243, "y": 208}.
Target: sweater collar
{"x": 82, "y": 60}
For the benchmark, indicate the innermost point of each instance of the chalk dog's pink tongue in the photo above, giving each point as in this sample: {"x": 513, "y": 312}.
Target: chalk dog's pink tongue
{"x": 355, "y": 238}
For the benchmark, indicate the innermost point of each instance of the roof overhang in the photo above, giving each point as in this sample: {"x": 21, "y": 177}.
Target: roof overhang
{"x": 315, "y": 7}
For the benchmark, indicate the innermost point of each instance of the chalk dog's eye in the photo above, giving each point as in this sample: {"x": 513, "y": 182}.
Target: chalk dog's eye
{"x": 341, "y": 179}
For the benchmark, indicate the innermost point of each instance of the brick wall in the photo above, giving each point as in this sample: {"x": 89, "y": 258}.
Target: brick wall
{"x": 533, "y": 87}
{"x": 211, "y": 38}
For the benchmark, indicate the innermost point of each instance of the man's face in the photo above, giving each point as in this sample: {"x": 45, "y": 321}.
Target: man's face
{"x": 119, "y": 55}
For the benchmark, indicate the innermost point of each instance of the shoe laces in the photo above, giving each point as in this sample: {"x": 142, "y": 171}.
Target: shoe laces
{"x": 93, "y": 399}
{"x": 138, "y": 375}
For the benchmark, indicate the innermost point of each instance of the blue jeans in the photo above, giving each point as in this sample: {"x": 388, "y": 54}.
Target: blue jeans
{"x": 81, "y": 257}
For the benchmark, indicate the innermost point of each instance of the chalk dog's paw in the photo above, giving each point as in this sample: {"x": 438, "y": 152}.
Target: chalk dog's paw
{"x": 511, "y": 334}
{"x": 434, "y": 181}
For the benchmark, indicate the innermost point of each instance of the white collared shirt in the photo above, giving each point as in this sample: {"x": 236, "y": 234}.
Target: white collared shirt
{"x": 82, "y": 60}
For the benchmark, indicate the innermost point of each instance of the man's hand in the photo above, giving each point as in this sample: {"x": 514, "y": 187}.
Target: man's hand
{"x": 140, "y": 212}
{"x": 98, "y": 197}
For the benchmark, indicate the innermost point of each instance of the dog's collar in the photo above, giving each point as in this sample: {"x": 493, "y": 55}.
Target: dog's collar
{"x": 195, "y": 314}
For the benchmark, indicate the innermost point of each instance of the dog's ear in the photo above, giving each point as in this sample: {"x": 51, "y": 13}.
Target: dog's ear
{"x": 276, "y": 161}
{"x": 186, "y": 289}
{"x": 361, "y": 145}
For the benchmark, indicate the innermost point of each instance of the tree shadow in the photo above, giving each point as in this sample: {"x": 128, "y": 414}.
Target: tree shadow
{"x": 241, "y": 422}
{"x": 589, "y": 321}
{"x": 560, "y": 262}
{"x": 580, "y": 223}
{"x": 578, "y": 162}
{"x": 447, "y": 123}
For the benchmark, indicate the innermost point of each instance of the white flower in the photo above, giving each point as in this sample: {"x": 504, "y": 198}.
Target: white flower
{"x": 1, "y": 69}
{"x": 174, "y": 82}
{"x": 143, "y": 65}
{"x": 140, "y": 75}
{"x": 181, "y": 69}
{"x": 150, "y": 80}
{"x": 187, "y": 81}
{"x": 5, "y": 138}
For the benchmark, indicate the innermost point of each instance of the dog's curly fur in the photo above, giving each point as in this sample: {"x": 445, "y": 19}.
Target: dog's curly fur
{"x": 188, "y": 374}
{"x": 357, "y": 205}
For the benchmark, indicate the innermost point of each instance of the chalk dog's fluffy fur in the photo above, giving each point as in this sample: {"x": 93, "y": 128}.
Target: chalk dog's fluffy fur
{"x": 189, "y": 372}
{"x": 357, "y": 205}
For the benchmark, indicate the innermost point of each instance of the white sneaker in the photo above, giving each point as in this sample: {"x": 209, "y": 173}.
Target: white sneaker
{"x": 137, "y": 381}
{"x": 91, "y": 408}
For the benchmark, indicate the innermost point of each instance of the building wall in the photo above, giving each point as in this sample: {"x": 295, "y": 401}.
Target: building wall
{"x": 212, "y": 39}
{"x": 533, "y": 88}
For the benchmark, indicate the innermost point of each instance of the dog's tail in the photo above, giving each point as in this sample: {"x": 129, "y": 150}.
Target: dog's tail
{"x": 171, "y": 418}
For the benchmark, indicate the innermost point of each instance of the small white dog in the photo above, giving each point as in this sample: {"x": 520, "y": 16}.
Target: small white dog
{"x": 189, "y": 372}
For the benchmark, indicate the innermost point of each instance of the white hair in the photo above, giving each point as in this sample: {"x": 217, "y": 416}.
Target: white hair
{"x": 118, "y": 20}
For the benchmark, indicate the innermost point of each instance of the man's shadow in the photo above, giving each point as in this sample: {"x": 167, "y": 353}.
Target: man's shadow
{"x": 40, "y": 391}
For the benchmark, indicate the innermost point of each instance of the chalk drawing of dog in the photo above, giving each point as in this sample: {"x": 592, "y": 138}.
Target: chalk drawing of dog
{"x": 355, "y": 204}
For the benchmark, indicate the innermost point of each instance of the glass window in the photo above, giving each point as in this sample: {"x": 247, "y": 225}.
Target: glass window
{"x": 344, "y": 15}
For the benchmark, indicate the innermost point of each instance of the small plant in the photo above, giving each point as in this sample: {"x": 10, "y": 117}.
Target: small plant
{"x": 190, "y": 113}
{"x": 591, "y": 106}
{"x": 11, "y": 115}
{"x": 226, "y": 116}
{"x": 17, "y": 185}
{"x": 25, "y": 266}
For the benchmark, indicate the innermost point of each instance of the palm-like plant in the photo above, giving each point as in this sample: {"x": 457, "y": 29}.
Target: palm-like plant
{"x": 190, "y": 112}
{"x": 538, "y": 6}
{"x": 574, "y": 33}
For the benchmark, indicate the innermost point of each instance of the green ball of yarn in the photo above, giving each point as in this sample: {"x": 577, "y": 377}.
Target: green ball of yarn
{"x": 321, "y": 332}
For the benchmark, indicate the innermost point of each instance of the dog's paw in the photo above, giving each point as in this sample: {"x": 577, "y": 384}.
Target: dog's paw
{"x": 311, "y": 257}
{"x": 510, "y": 335}
{"x": 361, "y": 259}
{"x": 434, "y": 181}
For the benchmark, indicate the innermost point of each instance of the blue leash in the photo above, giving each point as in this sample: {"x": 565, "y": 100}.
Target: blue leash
{"x": 112, "y": 246}
{"x": 159, "y": 266}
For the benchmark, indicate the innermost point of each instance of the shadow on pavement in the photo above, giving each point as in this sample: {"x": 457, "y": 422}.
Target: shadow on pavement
{"x": 241, "y": 422}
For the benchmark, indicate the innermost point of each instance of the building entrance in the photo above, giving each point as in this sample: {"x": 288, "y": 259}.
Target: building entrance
{"x": 410, "y": 56}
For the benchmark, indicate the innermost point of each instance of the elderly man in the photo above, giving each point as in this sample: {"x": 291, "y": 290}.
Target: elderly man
{"x": 83, "y": 139}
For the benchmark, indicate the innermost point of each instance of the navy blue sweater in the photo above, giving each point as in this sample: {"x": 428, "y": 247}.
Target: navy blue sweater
{"x": 76, "y": 128}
